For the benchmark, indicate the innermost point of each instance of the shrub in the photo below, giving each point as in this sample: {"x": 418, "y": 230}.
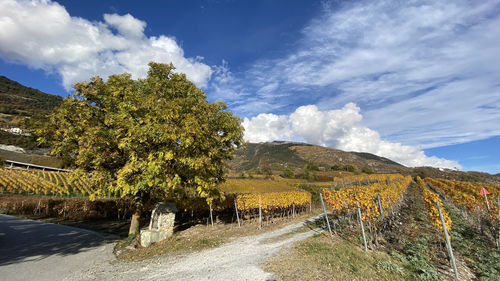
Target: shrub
{"x": 312, "y": 167}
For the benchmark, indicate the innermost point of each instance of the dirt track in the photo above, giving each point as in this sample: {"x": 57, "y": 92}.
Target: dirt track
{"x": 237, "y": 260}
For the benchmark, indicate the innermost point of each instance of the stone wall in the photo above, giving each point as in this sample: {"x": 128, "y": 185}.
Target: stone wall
{"x": 161, "y": 225}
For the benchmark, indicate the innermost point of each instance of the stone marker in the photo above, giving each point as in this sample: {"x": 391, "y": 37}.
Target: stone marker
{"x": 161, "y": 225}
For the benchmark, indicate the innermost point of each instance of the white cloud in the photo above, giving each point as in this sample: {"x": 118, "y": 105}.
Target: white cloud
{"x": 126, "y": 25}
{"x": 340, "y": 129}
{"x": 43, "y": 35}
{"x": 325, "y": 128}
{"x": 266, "y": 127}
{"x": 425, "y": 72}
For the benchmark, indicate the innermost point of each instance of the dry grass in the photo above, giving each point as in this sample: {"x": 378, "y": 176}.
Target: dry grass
{"x": 320, "y": 258}
{"x": 298, "y": 182}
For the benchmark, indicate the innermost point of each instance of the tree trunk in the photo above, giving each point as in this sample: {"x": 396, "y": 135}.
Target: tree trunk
{"x": 134, "y": 221}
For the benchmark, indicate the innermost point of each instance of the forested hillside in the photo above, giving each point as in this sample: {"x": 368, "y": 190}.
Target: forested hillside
{"x": 19, "y": 105}
{"x": 18, "y": 100}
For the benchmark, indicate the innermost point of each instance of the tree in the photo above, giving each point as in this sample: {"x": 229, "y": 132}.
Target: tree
{"x": 288, "y": 173}
{"x": 147, "y": 139}
{"x": 312, "y": 167}
{"x": 336, "y": 167}
{"x": 367, "y": 170}
{"x": 351, "y": 168}
{"x": 266, "y": 171}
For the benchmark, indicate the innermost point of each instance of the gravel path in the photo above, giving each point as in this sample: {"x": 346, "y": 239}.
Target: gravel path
{"x": 238, "y": 260}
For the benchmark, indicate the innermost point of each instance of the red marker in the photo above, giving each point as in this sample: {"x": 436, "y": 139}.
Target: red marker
{"x": 485, "y": 193}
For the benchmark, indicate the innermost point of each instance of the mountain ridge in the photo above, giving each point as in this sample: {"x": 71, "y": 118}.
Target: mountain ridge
{"x": 17, "y": 99}
{"x": 279, "y": 156}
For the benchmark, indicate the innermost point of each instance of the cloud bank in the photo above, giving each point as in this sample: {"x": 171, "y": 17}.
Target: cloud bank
{"x": 425, "y": 72}
{"x": 340, "y": 128}
{"x": 43, "y": 35}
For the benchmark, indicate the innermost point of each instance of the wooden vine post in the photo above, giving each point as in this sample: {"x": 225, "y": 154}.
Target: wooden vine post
{"x": 64, "y": 210}
{"x": 498, "y": 227}
{"x": 326, "y": 215}
{"x": 237, "y": 215}
{"x": 260, "y": 213}
{"x": 448, "y": 244}
{"x": 211, "y": 217}
{"x": 362, "y": 226}
{"x": 379, "y": 203}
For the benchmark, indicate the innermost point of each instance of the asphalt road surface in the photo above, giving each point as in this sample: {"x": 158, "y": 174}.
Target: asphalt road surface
{"x": 34, "y": 250}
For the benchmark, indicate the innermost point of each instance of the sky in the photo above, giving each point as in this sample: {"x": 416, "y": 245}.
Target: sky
{"x": 413, "y": 81}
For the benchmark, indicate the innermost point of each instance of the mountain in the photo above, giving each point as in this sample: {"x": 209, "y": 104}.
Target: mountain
{"x": 19, "y": 100}
{"x": 471, "y": 176}
{"x": 295, "y": 156}
{"x": 279, "y": 156}
{"x": 18, "y": 106}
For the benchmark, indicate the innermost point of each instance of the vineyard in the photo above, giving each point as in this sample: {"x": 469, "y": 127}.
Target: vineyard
{"x": 474, "y": 206}
{"x": 280, "y": 196}
{"x": 431, "y": 199}
{"x": 374, "y": 200}
{"x": 467, "y": 195}
{"x": 347, "y": 180}
{"x": 434, "y": 209}
{"x": 42, "y": 182}
{"x": 376, "y": 194}
{"x": 277, "y": 199}
{"x": 252, "y": 206}
{"x": 343, "y": 201}
{"x": 273, "y": 204}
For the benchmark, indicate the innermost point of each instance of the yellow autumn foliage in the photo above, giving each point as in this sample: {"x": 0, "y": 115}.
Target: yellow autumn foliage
{"x": 468, "y": 194}
{"x": 42, "y": 182}
{"x": 430, "y": 199}
{"x": 273, "y": 200}
{"x": 344, "y": 200}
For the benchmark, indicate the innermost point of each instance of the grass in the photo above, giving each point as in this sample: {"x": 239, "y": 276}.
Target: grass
{"x": 176, "y": 244}
{"x": 320, "y": 258}
{"x": 417, "y": 259}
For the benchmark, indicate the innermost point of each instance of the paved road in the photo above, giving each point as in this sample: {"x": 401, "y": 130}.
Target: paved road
{"x": 34, "y": 250}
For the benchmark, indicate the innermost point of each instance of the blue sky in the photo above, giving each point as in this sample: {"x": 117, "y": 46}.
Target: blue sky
{"x": 414, "y": 81}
